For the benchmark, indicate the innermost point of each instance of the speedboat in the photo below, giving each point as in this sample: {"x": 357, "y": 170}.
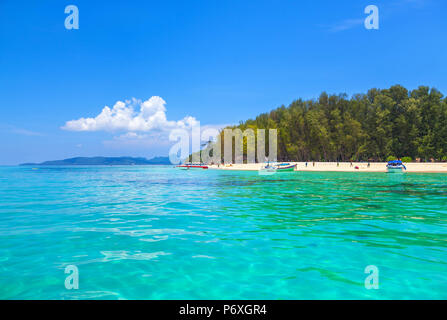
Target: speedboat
{"x": 267, "y": 170}
{"x": 187, "y": 166}
{"x": 395, "y": 166}
{"x": 281, "y": 167}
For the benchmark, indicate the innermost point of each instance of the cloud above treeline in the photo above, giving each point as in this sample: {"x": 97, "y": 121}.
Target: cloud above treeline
{"x": 132, "y": 115}
{"x": 136, "y": 124}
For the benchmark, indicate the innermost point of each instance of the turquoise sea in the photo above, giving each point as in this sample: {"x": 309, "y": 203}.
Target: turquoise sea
{"x": 160, "y": 233}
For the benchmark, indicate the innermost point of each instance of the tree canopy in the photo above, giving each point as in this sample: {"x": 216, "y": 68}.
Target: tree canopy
{"x": 375, "y": 126}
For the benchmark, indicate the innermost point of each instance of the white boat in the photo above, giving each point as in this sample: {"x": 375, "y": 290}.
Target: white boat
{"x": 280, "y": 167}
{"x": 395, "y": 166}
{"x": 267, "y": 170}
{"x": 284, "y": 167}
{"x": 188, "y": 166}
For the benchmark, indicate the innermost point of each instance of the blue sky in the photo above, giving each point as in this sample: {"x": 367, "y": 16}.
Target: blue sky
{"x": 217, "y": 61}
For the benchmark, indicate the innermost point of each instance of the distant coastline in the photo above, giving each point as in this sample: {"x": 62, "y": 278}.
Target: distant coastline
{"x": 103, "y": 161}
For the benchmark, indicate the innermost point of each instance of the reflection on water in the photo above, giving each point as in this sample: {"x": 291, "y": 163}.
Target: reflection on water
{"x": 161, "y": 233}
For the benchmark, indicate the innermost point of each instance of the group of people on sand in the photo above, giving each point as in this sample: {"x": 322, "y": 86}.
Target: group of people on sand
{"x": 313, "y": 164}
{"x": 338, "y": 164}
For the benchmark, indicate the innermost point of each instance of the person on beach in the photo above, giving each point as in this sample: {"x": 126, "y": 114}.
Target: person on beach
{"x": 306, "y": 164}
{"x": 351, "y": 163}
{"x": 313, "y": 164}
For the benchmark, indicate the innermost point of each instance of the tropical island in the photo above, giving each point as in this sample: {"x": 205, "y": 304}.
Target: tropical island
{"x": 337, "y": 133}
{"x": 380, "y": 125}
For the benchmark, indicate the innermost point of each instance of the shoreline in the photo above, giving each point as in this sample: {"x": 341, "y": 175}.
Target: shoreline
{"x": 413, "y": 167}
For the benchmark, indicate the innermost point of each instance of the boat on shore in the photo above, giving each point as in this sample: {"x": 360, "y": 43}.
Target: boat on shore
{"x": 187, "y": 166}
{"x": 395, "y": 166}
{"x": 284, "y": 167}
{"x": 267, "y": 170}
{"x": 280, "y": 167}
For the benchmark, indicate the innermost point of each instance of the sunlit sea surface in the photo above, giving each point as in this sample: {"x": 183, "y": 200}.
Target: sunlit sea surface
{"x": 161, "y": 233}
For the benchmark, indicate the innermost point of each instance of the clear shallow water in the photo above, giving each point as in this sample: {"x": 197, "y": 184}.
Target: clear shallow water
{"x": 162, "y": 233}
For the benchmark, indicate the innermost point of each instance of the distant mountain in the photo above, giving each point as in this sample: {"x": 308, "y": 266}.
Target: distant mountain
{"x": 103, "y": 161}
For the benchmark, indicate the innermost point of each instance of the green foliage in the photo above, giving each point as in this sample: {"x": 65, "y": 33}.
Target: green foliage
{"x": 391, "y": 158}
{"x": 407, "y": 159}
{"x": 367, "y": 127}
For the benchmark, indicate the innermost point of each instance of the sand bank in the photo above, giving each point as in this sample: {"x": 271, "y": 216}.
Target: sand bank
{"x": 343, "y": 167}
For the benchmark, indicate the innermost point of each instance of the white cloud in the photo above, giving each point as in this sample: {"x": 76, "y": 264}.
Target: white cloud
{"x": 137, "y": 124}
{"x": 346, "y": 25}
{"x": 139, "y": 140}
{"x": 150, "y": 116}
{"x": 27, "y": 132}
{"x": 386, "y": 10}
{"x": 21, "y": 131}
{"x": 151, "y": 139}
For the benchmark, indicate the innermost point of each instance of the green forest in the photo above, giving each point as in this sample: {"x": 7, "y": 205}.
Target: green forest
{"x": 377, "y": 126}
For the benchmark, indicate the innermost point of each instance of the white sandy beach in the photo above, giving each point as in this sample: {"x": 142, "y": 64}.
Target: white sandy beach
{"x": 427, "y": 167}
